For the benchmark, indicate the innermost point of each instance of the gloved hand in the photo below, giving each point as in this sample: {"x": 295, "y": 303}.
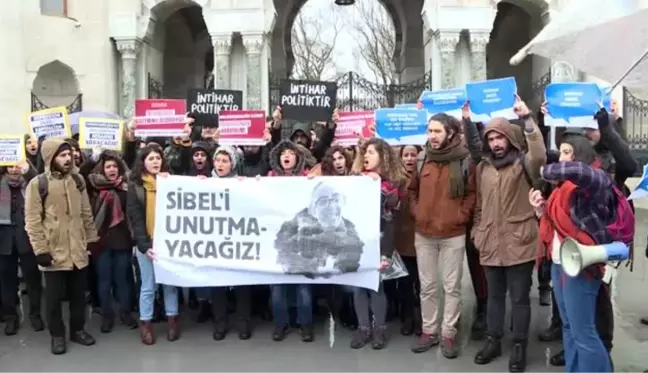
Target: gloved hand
{"x": 44, "y": 260}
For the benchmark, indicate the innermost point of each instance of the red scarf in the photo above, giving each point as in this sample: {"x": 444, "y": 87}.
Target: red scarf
{"x": 557, "y": 218}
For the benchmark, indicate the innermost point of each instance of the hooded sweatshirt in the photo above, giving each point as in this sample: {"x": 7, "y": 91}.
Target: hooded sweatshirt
{"x": 68, "y": 224}
{"x": 505, "y": 227}
{"x": 231, "y": 152}
{"x": 276, "y": 168}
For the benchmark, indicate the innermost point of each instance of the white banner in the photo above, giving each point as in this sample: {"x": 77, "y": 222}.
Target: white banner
{"x": 274, "y": 230}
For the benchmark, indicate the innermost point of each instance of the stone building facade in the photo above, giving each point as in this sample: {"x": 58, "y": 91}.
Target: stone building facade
{"x": 112, "y": 52}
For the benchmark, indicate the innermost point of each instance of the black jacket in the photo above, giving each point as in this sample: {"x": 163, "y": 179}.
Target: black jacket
{"x": 136, "y": 212}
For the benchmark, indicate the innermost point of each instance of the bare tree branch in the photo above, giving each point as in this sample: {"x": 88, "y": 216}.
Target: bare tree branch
{"x": 313, "y": 42}
{"x": 376, "y": 39}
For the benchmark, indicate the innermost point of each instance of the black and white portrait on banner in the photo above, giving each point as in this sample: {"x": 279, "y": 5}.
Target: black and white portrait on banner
{"x": 205, "y": 104}
{"x": 274, "y": 230}
{"x": 319, "y": 240}
{"x": 308, "y": 100}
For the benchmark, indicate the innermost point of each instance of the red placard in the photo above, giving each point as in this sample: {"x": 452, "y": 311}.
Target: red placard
{"x": 350, "y": 124}
{"x": 241, "y": 127}
{"x": 159, "y": 117}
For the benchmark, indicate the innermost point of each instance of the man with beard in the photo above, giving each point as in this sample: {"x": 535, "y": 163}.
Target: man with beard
{"x": 617, "y": 160}
{"x": 505, "y": 229}
{"x": 59, "y": 223}
{"x": 442, "y": 198}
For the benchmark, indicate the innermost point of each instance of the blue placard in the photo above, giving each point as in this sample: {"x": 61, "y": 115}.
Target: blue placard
{"x": 572, "y": 104}
{"x": 449, "y": 101}
{"x": 406, "y": 106}
{"x": 402, "y": 126}
{"x": 641, "y": 190}
{"x": 492, "y": 98}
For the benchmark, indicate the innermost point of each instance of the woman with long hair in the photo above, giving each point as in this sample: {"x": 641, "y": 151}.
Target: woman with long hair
{"x": 141, "y": 211}
{"x": 408, "y": 288}
{"x": 585, "y": 206}
{"x": 379, "y": 161}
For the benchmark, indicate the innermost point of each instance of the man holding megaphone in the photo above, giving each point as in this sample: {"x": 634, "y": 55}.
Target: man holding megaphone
{"x": 585, "y": 212}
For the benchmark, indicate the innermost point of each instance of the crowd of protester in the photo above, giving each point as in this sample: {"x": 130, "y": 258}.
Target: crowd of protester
{"x": 490, "y": 192}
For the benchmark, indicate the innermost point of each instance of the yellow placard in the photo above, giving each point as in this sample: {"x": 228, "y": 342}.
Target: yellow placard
{"x": 90, "y": 126}
{"x": 46, "y": 123}
{"x": 12, "y": 150}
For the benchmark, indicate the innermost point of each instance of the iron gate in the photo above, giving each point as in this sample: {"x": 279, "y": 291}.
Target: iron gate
{"x": 154, "y": 87}
{"x": 635, "y": 126}
{"x": 75, "y": 106}
{"x": 356, "y": 93}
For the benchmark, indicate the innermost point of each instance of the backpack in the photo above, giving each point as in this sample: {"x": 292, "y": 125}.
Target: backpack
{"x": 43, "y": 188}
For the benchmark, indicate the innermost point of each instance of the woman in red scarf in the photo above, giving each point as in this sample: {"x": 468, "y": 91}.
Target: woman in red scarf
{"x": 586, "y": 207}
{"x": 106, "y": 182}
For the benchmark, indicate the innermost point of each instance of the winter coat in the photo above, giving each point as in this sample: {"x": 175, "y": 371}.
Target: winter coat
{"x": 62, "y": 225}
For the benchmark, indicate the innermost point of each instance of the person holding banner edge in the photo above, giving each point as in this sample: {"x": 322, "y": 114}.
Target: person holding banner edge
{"x": 140, "y": 207}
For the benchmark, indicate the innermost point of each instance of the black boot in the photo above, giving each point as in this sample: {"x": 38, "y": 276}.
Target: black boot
{"x": 492, "y": 349}
{"x": 407, "y": 326}
{"x": 36, "y": 323}
{"x": 558, "y": 360}
{"x": 518, "y": 358}
{"x": 58, "y": 346}
{"x": 83, "y": 338}
{"x": 204, "y": 313}
{"x": 544, "y": 297}
{"x": 11, "y": 325}
{"x": 107, "y": 324}
{"x": 220, "y": 331}
{"x": 478, "y": 329}
{"x": 552, "y": 333}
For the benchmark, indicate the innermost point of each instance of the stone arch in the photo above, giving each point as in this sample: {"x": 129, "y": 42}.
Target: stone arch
{"x": 284, "y": 28}
{"x": 515, "y": 24}
{"x": 55, "y": 84}
{"x": 182, "y": 45}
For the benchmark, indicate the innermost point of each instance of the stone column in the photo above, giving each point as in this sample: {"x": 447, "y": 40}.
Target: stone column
{"x": 129, "y": 50}
{"x": 253, "y": 47}
{"x": 222, "y": 48}
{"x": 448, "y": 45}
{"x": 478, "y": 42}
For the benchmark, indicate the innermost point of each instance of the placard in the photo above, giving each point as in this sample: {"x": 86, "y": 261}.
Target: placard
{"x": 572, "y": 104}
{"x": 448, "y": 101}
{"x": 205, "y": 104}
{"x": 101, "y": 133}
{"x": 242, "y": 127}
{"x": 492, "y": 98}
{"x": 352, "y": 123}
{"x": 402, "y": 126}
{"x": 159, "y": 117}
{"x": 406, "y": 106}
{"x": 12, "y": 150}
{"x": 49, "y": 123}
{"x": 307, "y": 100}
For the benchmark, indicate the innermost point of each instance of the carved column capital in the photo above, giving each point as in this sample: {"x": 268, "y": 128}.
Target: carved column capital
{"x": 478, "y": 41}
{"x": 129, "y": 49}
{"x": 222, "y": 45}
{"x": 448, "y": 41}
{"x": 253, "y": 43}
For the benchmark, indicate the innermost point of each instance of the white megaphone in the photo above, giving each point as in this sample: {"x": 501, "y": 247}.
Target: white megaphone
{"x": 574, "y": 257}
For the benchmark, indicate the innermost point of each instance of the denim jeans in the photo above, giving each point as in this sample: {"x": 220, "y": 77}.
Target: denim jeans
{"x": 147, "y": 291}
{"x": 113, "y": 267}
{"x": 280, "y": 304}
{"x": 576, "y": 297}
